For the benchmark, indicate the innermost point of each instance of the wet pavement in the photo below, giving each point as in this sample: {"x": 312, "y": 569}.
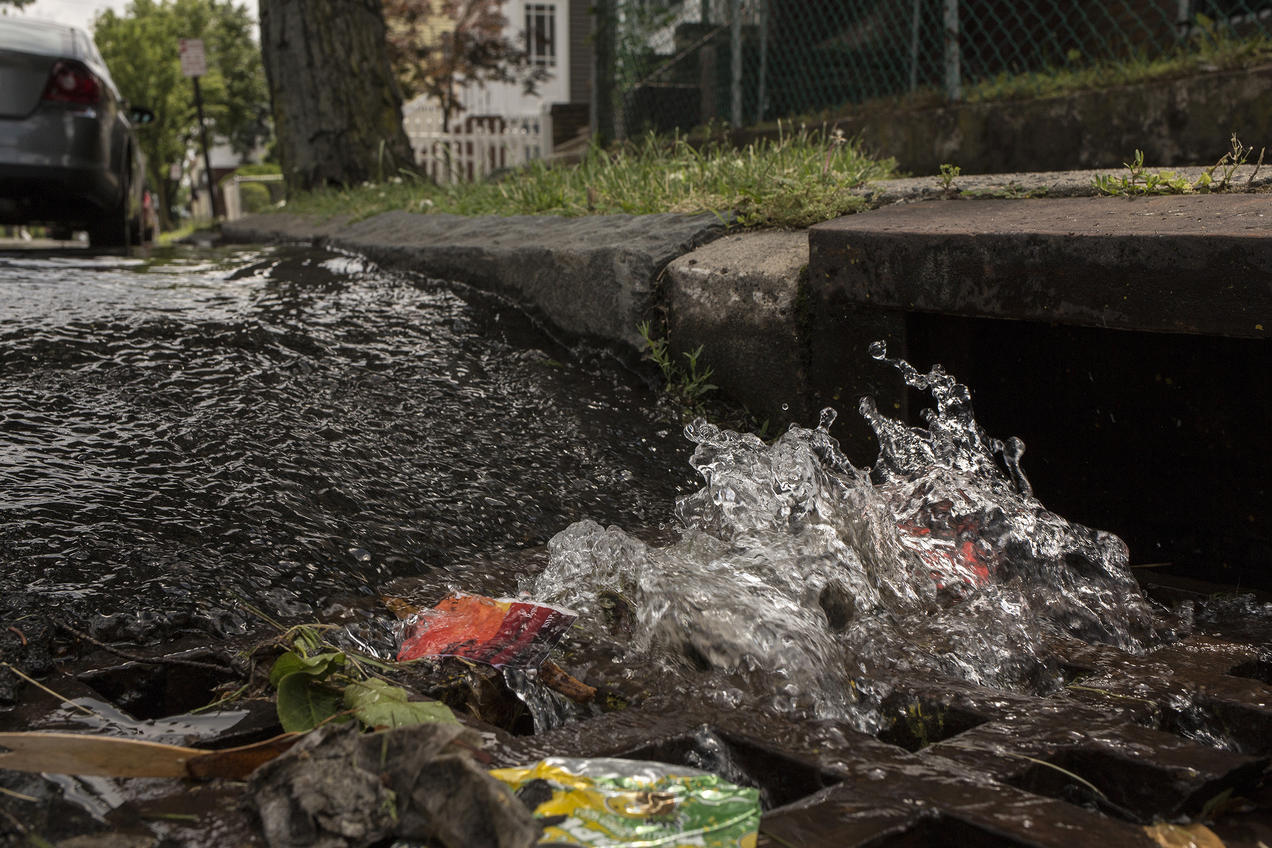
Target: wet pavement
{"x": 1181, "y": 731}
{"x": 182, "y": 432}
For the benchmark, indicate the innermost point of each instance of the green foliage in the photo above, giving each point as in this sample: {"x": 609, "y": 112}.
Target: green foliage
{"x": 925, "y": 729}
{"x": 795, "y": 181}
{"x": 255, "y": 197}
{"x": 316, "y": 685}
{"x": 258, "y": 169}
{"x": 141, "y": 48}
{"x": 948, "y": 174}
{"x": 686, "y": 384}
{"x": 440, "y": 47}
{"x": 306, "y": 701}
{"x": 292, "y": 662}
{"x": 1138, "y": 180}
{"x": 1211, "y": 47}
{"x": 378, "y": 704}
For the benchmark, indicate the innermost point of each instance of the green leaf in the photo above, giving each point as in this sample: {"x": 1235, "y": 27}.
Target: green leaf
{"x": 319, "y": 665}
{"x": 379, "y": 704}
{"x": 304, "y": 703}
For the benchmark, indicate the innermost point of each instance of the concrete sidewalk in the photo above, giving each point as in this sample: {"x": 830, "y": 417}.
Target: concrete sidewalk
{"x": 785, "y": 317}
{"x": 1186, "y": 264}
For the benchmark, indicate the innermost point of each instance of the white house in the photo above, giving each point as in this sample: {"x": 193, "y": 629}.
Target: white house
{"x": 500, "y": 125}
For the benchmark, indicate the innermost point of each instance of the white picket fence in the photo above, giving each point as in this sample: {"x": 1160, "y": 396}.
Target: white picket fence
{"x": 475, "y": 146}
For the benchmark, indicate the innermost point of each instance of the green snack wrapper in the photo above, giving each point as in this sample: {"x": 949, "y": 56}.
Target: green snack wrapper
{"x": 612, "y": 803}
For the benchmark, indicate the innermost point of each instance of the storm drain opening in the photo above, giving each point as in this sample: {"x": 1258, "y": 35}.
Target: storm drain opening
{"x": 1236, "y": 727}
{"x": 1136, "y": 791}
{"x": 946, "y": 830}
{"x": 916, "y": 723}
{"x": 1260, "y": 670}
{"x": 161, "y": 689}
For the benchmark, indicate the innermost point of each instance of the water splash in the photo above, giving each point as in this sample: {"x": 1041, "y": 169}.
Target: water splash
{"x": 797, "y": 573}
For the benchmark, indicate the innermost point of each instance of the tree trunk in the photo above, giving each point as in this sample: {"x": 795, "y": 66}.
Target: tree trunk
{"x": 337, "y": 106}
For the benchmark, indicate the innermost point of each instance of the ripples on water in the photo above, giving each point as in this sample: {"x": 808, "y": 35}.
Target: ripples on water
{"x": 281, "y": 425}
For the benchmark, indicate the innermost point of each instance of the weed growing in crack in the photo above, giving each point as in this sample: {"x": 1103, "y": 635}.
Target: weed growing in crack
{"x": 687, "y": 384}
{"x": 1138, "y": 180}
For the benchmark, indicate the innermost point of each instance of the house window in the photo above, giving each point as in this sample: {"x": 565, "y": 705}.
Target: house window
{"x": 541, "y": 34}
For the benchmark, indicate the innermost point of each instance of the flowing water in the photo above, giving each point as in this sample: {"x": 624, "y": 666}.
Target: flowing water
{"x": 186, "y": 435}
{"x": 181, "y": 434}
{"x": 797, "y": 576}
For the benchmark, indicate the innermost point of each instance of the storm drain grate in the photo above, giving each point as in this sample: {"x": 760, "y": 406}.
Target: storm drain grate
{"x": 1130, "y": 741}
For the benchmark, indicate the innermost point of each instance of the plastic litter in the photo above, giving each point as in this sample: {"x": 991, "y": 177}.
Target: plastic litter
{"x": 501, "y": 632}
{"x": 614, "y": 803}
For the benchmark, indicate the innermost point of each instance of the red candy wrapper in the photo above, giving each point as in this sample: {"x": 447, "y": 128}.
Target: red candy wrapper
{"x": 497, "y": 631}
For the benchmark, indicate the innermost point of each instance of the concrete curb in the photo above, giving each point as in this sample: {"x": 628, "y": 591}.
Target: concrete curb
{"x": 593, "y": 277}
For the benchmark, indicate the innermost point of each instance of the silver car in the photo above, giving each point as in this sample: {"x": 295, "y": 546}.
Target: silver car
{"x": 68, "y": 155}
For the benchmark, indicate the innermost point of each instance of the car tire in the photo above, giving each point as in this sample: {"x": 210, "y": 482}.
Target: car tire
{"x": 112, "y": 229}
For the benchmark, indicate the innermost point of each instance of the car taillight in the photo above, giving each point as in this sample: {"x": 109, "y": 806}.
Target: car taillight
{"x": 71, "y": 82}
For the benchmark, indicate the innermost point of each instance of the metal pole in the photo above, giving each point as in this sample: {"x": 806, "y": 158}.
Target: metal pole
{"x": 604, "y": 58}
{"x": 953, "y": 80}
{"x": 759, "y": 89}
{"x": 735, "y": 63}
{"x": 207, "y": 160}
{"x": 914, "y": 45}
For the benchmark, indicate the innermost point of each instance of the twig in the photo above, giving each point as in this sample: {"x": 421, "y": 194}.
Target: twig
{"x": 1110, "y": 694}
{"x": 17, "y": 795}
{"x": 557, "y": 679}
{"x": 20, "y": 673}
{"x": 1002, "y": 753}
{"x": 1257, "y": 166}
{"x": 222, "y": 669}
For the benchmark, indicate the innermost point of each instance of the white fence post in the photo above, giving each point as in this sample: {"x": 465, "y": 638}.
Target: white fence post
{"x": 478, "y": 146}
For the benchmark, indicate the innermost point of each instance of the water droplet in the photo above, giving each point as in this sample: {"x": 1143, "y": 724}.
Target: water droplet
{"x": 879, "y": 349}
{"x": 827, "y": 417}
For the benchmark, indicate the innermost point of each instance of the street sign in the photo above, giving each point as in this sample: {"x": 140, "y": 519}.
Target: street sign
{"x": 193, "y": 62}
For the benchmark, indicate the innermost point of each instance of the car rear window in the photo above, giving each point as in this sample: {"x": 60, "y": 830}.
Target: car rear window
{"x": 34, "y": 37}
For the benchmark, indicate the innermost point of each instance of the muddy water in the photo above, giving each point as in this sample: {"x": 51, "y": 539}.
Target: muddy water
{"x": 185, "y": 432}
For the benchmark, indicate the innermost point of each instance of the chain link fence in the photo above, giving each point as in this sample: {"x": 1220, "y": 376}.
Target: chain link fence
{"x": 677, "y": 64}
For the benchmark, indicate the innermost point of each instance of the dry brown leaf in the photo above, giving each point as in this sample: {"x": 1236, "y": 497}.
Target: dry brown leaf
{"x": 1183, "y": 835}
{"x": 109, "y": 756}
{"x": 400, "y": 608}
{"x": 558, "y": 679}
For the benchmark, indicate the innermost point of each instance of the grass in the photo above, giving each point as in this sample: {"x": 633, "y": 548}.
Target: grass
{"x": 794, "y": 181}
{"x": 1138, "y": 180}
{"x": 1211, "y": 48}
{"x": 687, "y": 384}
{"x": 183, "y": 230}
